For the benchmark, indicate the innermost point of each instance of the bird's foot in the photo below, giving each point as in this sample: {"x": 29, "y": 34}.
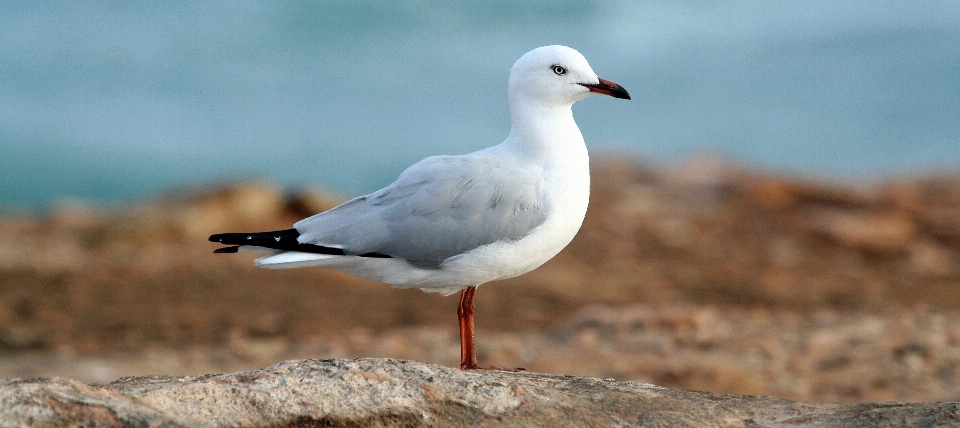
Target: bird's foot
{"x": 502, "y": 369}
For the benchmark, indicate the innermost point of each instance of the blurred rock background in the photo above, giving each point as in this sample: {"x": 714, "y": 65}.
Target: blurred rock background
{"x": 701, "y": 275}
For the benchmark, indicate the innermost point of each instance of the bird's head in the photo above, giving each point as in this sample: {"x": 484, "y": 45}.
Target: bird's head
{"x": 557, "y": 75}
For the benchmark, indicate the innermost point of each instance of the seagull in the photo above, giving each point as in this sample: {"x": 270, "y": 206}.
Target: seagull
{"x": 451, "y": 223}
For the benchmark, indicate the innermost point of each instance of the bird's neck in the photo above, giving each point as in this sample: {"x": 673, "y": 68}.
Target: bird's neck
{"x": 542, "y": 130}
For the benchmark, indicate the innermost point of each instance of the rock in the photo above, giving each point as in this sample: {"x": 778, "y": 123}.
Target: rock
{"x": 931, "y": 259}
{"x": 942, "y": 222}
{"x": 32, "y": 248}
{"x": 196, "y": 214}
{"x": 76, "y": 214}
{"x": 392, "y": 393}
{"x": 878, "y": 233}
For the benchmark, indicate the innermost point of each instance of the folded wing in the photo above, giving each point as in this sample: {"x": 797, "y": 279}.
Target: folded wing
{"x": 438, "y": 208}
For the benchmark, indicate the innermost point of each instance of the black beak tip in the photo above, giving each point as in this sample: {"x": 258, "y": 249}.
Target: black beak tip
{"x": 623, "y": 94}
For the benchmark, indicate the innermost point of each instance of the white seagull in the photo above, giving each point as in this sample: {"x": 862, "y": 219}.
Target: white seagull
{"x": 451, "y": 223}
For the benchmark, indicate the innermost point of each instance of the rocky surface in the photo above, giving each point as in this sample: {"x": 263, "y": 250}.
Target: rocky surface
{"x": 396, "y": 393}
{"x": 703, "y": 275}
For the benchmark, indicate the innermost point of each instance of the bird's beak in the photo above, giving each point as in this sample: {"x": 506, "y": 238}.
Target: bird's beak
{"x": 607, "y": 87}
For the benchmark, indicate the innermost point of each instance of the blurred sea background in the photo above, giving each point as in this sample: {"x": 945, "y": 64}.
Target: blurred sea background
{"x": 110, "y": 101}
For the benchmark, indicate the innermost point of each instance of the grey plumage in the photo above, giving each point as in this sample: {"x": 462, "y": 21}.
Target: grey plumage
{"x": 438, "y": 208}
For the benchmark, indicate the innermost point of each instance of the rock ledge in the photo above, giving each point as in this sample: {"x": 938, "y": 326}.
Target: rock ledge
{"x": 393, "y": 393}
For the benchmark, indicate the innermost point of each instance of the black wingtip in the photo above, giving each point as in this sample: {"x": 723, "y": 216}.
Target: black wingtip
{"x": 283, "y": 240}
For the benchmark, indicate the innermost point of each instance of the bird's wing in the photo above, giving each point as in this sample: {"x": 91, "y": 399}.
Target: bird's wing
{"x": 440, "y": 207}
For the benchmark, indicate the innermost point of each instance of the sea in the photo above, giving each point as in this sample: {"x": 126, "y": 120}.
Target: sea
{"x": 115, "y": 101}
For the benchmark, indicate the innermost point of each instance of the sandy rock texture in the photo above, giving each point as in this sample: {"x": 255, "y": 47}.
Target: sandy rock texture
{"x": 397, "y": 393}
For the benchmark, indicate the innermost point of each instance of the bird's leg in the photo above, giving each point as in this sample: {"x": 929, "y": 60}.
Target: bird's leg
{"x": 468, "y": 353}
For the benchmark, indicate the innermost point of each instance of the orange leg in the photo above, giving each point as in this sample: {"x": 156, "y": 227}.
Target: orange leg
{"x": 468, "y": 353}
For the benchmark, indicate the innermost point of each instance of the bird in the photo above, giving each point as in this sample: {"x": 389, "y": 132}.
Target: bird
{"x": 450, "y": 223}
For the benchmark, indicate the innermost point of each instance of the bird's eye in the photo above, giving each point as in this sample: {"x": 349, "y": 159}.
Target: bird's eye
{"x": 559, "y": 70}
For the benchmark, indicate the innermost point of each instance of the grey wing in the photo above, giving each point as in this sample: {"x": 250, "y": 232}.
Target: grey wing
{"x": 438, "y": 208}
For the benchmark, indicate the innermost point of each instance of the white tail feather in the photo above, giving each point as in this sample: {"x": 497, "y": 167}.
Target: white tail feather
{"x": 256, "y": 249}
{"x": 293, "y": 259}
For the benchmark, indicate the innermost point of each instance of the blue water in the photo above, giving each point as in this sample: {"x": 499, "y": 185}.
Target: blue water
{"x": 112, "y": 101}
